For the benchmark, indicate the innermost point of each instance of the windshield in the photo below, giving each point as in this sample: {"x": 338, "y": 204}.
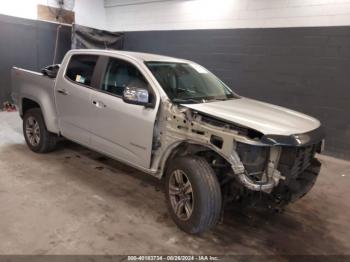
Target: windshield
{"x": 189, "y": 83}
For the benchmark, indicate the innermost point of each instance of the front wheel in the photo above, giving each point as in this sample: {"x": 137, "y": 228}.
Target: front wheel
{"x": 38, "y": 138}
{"x": 193, "y": 193}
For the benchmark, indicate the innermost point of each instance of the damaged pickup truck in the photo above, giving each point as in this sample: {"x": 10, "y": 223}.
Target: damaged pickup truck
{"x": 173, "y": 119}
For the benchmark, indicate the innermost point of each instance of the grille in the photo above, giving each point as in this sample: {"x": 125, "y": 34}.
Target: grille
{"x": 294, "y": 160}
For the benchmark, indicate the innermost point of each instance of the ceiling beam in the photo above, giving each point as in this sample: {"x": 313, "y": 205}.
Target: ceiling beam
{"x": 117, "y": 3}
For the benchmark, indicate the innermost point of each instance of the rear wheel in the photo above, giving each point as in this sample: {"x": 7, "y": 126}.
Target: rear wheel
{"x": 38, "y": 138}
{"x": 193, "y": 193}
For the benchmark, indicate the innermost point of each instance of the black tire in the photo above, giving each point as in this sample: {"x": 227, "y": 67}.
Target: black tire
{"x": 206, "y": 193}
{"x": 47, "y": 141}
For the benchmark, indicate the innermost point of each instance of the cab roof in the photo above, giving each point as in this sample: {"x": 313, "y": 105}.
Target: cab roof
{"x": 143, "y": 57}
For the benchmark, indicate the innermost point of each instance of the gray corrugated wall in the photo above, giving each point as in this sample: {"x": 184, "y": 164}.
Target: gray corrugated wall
{"x": 28, "y": 44}
{"x": 306, "y": 69}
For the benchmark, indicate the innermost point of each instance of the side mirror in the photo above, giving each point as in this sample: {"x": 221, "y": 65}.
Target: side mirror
{"x": 136, "y": 96}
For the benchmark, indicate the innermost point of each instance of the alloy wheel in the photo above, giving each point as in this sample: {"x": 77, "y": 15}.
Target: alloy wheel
{"x": 33, "y": 131}
{"x": 181, "y": 194}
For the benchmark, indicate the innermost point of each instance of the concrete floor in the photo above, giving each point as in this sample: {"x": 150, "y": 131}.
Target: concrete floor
{"x": 75, "y": 201}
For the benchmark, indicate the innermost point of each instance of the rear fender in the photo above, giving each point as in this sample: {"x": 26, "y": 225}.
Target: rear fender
{"x": 47, "y": 110}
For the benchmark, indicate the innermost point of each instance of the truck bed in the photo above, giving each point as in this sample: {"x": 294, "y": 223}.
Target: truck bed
{"x": 38, "y": 88}
{"x": 28, "y": 83}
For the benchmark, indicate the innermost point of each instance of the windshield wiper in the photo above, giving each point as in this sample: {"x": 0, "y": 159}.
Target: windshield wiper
{"x": 188, "y": 101}
{"x": 220, "y": 98}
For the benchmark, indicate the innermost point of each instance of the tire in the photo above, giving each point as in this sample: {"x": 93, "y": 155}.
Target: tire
{"x": 37, "y": 137}
{"x": 206, "y": 194}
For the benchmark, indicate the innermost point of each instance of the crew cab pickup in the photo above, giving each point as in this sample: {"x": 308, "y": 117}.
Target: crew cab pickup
{"x": 173, "y": 119}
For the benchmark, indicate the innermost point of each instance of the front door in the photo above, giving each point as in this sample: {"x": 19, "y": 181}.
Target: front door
{"x": 122, "y": 130}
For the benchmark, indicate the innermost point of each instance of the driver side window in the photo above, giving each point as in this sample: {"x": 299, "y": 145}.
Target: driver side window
{"x": 120, "y": 74}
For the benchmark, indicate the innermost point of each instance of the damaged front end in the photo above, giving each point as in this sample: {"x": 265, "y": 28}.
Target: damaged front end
{"x": 285, "y": 173}
{"x": 250, "y": 165}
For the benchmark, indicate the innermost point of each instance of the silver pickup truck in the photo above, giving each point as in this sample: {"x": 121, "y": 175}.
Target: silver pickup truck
{"x": 173, "y": 119}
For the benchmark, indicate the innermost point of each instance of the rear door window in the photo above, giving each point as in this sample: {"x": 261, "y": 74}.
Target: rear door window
{"x": 81, "y": 69}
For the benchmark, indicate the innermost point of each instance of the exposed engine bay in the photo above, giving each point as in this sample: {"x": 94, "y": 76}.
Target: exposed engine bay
{"x": 249, "y": 166}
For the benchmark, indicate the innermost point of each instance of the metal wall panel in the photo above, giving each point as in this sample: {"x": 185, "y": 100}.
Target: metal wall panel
{"x": 29, "y": 44}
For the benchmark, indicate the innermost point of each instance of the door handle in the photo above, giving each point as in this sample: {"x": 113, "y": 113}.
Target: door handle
{"x": 62, "y": 91}
{"x": 99, "y": 104}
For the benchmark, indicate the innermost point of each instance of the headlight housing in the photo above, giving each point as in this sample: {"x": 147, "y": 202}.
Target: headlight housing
{"x": 254, "y": 159}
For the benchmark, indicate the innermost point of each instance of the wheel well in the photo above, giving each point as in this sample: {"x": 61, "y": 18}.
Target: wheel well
{"x": 220, "y": 165}
{"x": 28, "y": 104}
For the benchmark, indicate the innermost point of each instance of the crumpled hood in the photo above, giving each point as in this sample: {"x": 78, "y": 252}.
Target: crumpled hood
{"x": 263, "y": 117}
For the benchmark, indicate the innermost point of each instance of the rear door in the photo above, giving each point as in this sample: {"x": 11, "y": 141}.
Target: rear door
{"x": 122, "y": 130}
{"x": 73, "y": 97}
